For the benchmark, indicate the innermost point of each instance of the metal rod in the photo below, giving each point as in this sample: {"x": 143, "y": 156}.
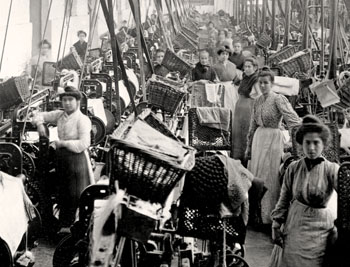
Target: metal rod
{"x": 287, "y": 22}
{"x": 5, "y": 38}
{"x": 257, "y": 14}
{"x": 273, "y": 24}
{"x": 263, "y": 21}
{"x": 322, "y": 38}
{"x": 332, "y": 65}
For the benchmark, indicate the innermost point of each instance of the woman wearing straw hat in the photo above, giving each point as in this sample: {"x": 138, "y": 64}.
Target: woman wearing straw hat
{"x": 303, "y": 225}
{"x": 73, "y": 164}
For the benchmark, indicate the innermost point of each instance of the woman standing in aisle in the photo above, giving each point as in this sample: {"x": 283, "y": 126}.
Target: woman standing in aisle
{"x": 265, "y": 140}
{"x": 73, "y": 164}
{"x": 243, "y": 109}
{"x": 303, "y": 226}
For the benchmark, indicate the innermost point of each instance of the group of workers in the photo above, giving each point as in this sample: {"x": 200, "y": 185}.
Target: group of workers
{"x": 296, "y": 210}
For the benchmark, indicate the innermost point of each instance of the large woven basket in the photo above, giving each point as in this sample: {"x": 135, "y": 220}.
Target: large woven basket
{"x": 13, "y": 92}
{"x": 71, "y": 62}
{"x": 174, "y": 63}
{"x": 145, "y": 174}
{"x": 284, "y": 53}
{"x": 299, "y": 64}
{"x": 165, "y": 94}
{"x": 331, "y": 152}
{"x": 192, "y": 25}
{"x": 264, "y": 41}
{"x": 205, "y": 138}
{"x": 183, "y": 42}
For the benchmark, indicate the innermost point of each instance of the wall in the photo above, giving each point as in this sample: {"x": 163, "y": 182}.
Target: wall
{"x": 19, "y": 37}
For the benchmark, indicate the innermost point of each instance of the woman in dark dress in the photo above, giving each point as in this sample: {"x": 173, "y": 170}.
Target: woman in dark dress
{"x": 81, "y": 45}
{"x": 243, "y": 110}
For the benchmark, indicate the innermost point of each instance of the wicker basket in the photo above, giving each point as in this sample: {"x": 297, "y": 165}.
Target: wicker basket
{"x": 71, "y": 62}
{"x": 198, "y": 223}
{"x": 190, "y": 33}
{"x": 331, "y": 152}
{"x": 284, "y": 53}
{"x": 13, "y": 92}
{"x": 146, "y": 174}
{"x": 205, "y": 138}
{"x": 192, "y": 25}
{"x": 174, "y": 63}
{"x": 183, "y": 42}
{"x": 165, "y": 94}
{"x": 299, "y": 64}
{"x": 264, "y": 41}
{"x": 344, "y": 196}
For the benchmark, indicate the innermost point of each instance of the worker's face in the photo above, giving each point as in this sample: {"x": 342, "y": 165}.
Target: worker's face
{"x": 70, "y": 104}
{"x": 82, "y": 37}
{"x": 223, "y": 57}
{"x": 45, "y": 49}
{"x": 265, "y": 84}
{"x": 204, "y": 58}
{"x": 159, "y": 57}
{"x": 249, "y": 68}
{"x": 229, "y": 34}
{"x": 210, "y": 26}
{"x": 222, "y": 36}
{"x": 312, "y": 145}
{"x": 237, "y": 47}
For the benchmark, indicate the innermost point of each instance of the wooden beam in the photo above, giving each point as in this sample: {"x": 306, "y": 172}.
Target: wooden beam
{"x": 263, "y": 20}
{"x": 306, "y": 29}
{"x": 322, "y": 38}
{"x": 251, "y": 2}
{"x": 257, "y": 14}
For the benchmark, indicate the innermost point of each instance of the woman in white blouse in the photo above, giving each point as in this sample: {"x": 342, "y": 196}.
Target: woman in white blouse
{"x": 73, "y": 164}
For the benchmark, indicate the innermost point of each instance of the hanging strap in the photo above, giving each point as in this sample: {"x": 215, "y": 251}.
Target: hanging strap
{"x": 5, "y": 38}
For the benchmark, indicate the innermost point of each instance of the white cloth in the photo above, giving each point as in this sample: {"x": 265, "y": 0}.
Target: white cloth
{"x": 13, "y": 216}
{"x": 286, "y": 86}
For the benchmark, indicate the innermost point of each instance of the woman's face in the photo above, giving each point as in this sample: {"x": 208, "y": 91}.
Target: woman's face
{"x": 265, "y": 84}
{"x": 222, "y": 36}
{"x": 70, "y": 104}
{"x": 204, "y": 58}
{"x": 223, "y": 57}
{"x": 312, "y": 145}
{"x": 249, "y": 68}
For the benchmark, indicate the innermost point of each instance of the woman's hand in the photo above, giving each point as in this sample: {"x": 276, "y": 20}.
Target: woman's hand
{"x": 277, "y": 236}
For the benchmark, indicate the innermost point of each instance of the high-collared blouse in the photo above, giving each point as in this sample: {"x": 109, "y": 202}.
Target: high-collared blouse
{"x": 74, "y": 129}
{"x": 311, "y": 187}
{"x": 269, "y": 112}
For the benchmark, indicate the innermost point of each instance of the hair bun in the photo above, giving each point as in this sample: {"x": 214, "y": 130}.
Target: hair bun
{"x": 311, "y": 119}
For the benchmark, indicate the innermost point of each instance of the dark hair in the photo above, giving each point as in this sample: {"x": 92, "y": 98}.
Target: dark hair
{"x": 210, "y": 22}
{"x": 160, "y": 51}
{"x": 43, "y": 42}
{"x": 224, "y": 48}
{"x": 251, "y": 60}
{"x": 81, "y": 32}
{"x": 266, "y": 72}
{"x": 312, "y": 124}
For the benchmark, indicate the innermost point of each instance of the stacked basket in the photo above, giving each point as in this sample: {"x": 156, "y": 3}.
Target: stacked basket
{"x": 183, "y": 42}
{"x": 297, "y": 64}
{"x": 285, "y": 53}
{"x": 174, "y": 63}
{"x": 14, "y": 92}
{"x": 165, "y": 94}
{"x": 264, "y": 41}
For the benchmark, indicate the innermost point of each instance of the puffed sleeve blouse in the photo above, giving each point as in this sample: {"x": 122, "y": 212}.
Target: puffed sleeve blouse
{"x": 74, "y": 129}
{"x": 269, "y": 113}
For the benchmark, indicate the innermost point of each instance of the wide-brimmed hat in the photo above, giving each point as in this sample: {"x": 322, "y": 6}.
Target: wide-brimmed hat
{"x": 224, "y": 49}
{"x": 71, "y": 91}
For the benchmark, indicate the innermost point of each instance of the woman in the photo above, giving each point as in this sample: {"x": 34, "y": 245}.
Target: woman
{"x": 303, "y": 226}
{"x": 81, "y": 45}
{"x": 225, "y": 69}
{"x": 265, "y": 139}
{"x": 221, "y": 38}
{"x": 203, "y": 70}
{"x": 243, "y": 109}
{"x": 73, "y": 165}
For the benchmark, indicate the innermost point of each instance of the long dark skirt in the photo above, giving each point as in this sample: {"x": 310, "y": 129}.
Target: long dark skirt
{"x": 73, "y": 175}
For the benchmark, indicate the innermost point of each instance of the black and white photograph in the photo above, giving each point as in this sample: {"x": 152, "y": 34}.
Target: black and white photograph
{"x": 175, "y": 133}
